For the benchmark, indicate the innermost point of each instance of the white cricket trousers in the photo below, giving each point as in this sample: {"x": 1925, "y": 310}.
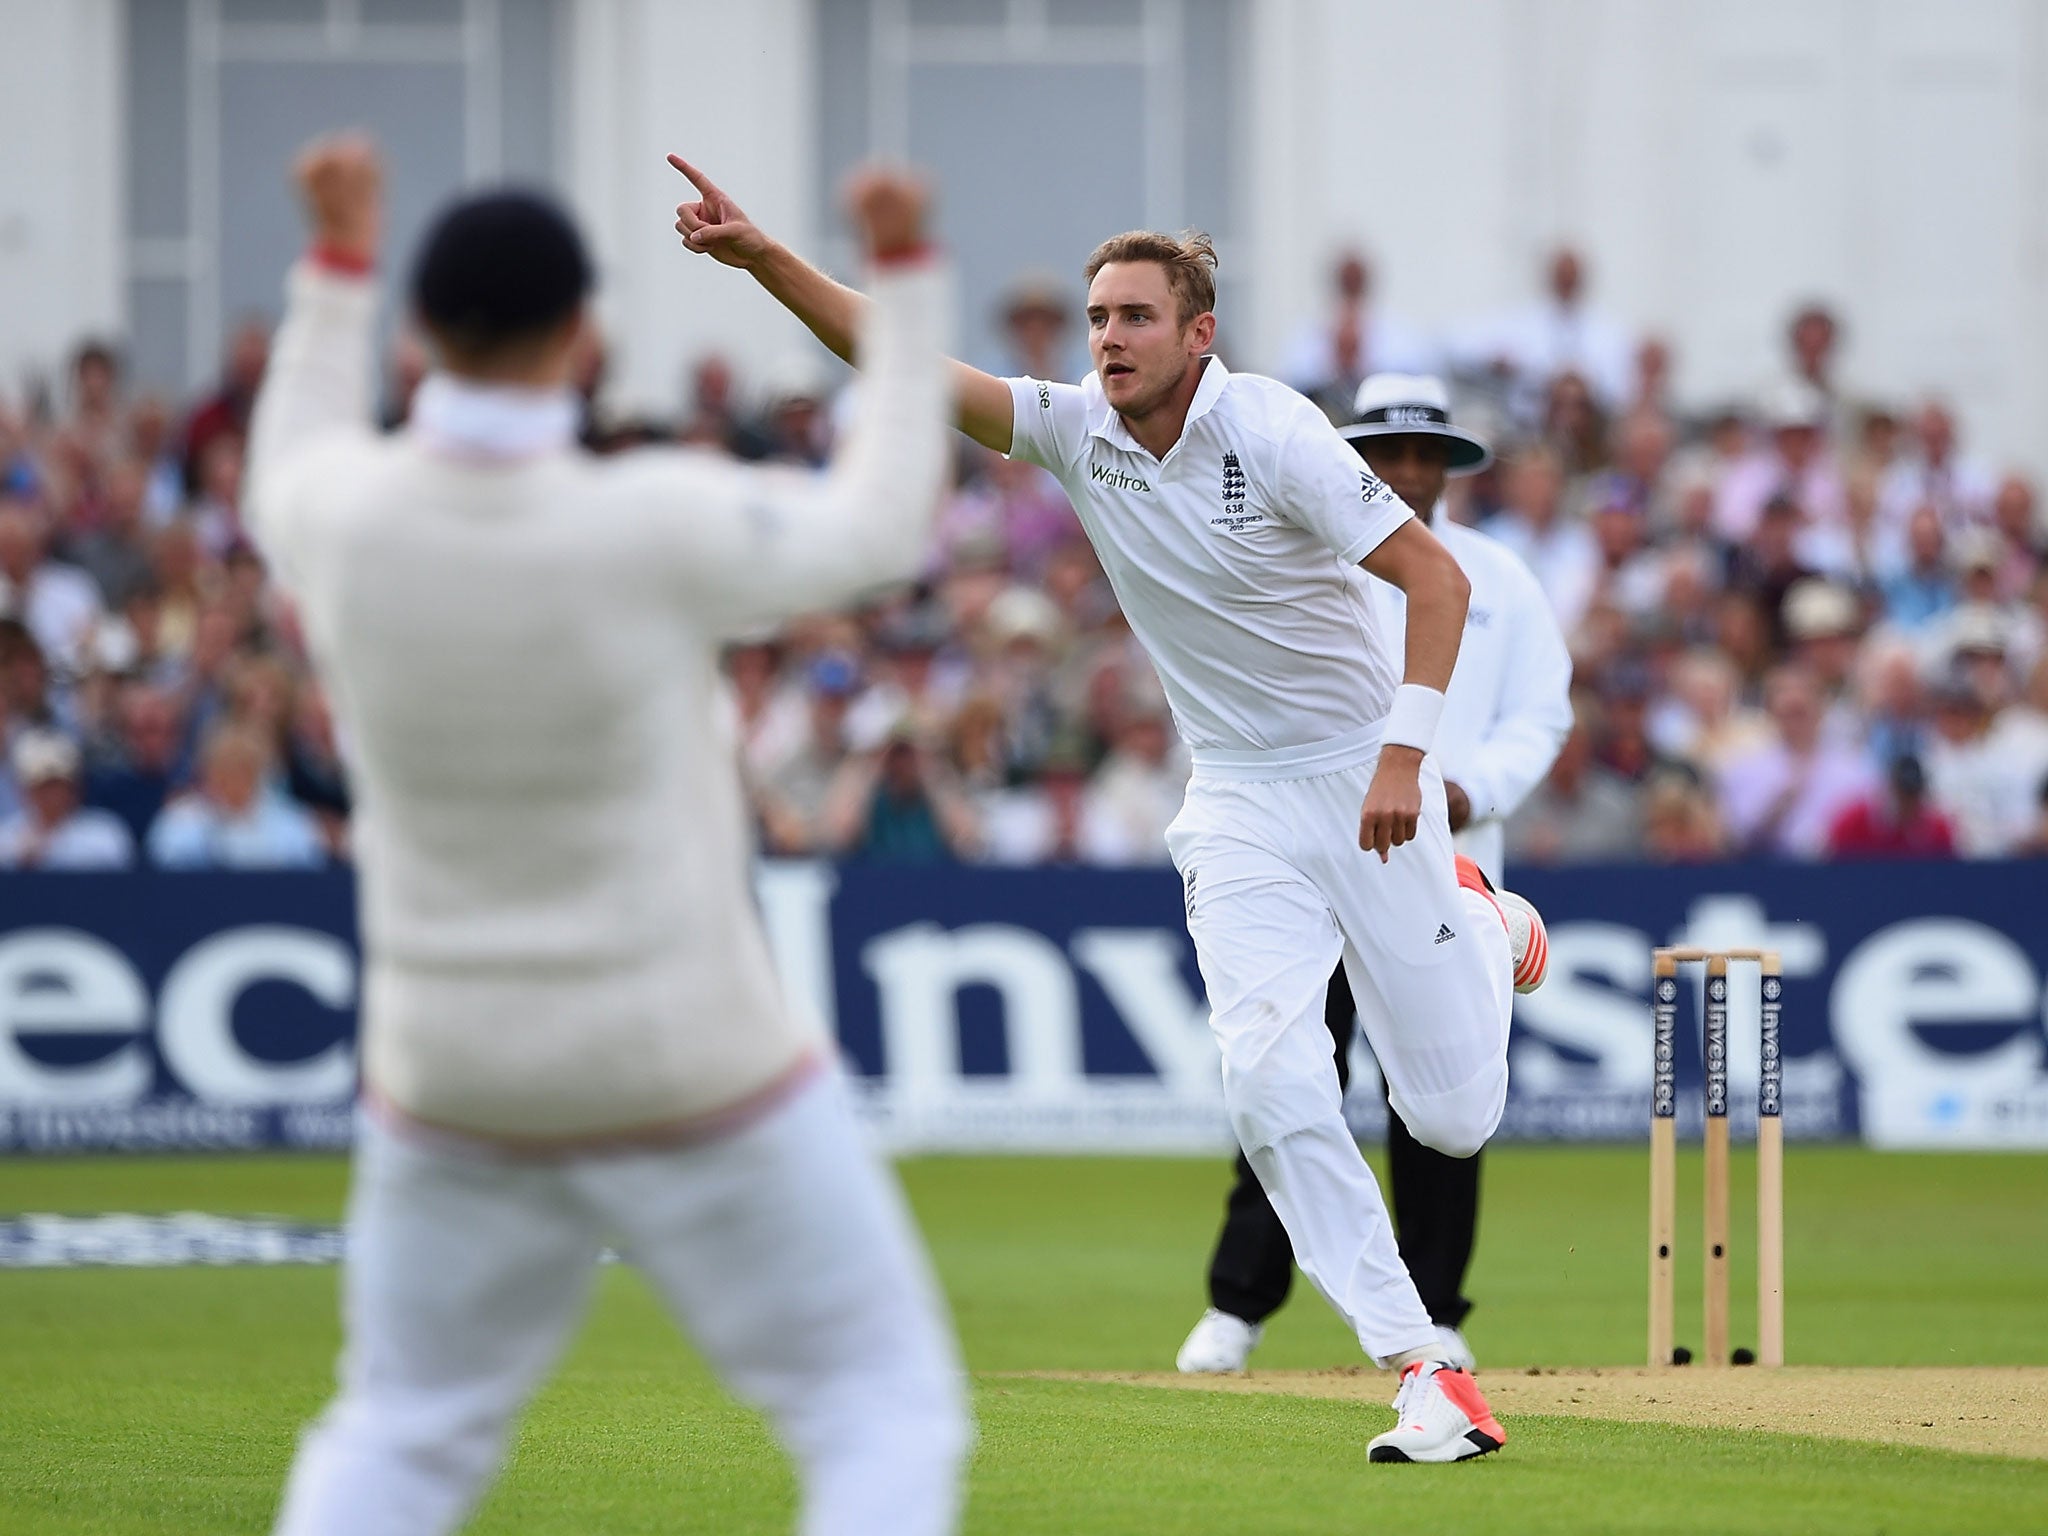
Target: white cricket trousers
{"x": 1277, "y": 891}
{"x": 783, "y": 1250}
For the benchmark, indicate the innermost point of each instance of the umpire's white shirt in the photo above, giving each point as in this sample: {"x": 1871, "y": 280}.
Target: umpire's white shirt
{"x": 1508, "y": 709}
{"x": 1235, "y": 558}
{"x": 522, "y": 643}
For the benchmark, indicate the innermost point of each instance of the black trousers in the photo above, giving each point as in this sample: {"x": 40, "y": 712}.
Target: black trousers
{"x": 1436, "y": 1214}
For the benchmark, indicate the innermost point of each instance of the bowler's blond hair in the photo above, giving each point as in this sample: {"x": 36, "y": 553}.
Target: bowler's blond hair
{"x": 1189, "y": 260}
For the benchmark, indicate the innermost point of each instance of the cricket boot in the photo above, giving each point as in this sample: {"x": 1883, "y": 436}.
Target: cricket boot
{"x": 1219, "y": 1344}
{"x": 1442, "y": 1417}
{"x": 1528, "y": 940}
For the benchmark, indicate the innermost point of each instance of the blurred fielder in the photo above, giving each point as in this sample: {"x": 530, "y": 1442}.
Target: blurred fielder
{"x": 571, "y": 1034}
{"x": 1237, "y": 528}
{"x": 1506, "y": 714}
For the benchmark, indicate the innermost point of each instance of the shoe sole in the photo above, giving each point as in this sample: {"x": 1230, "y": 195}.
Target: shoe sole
{"x": 1478, "y": 1443}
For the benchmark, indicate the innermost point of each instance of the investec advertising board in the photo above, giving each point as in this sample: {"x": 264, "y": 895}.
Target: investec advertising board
{"x": 1059, "y": 1010}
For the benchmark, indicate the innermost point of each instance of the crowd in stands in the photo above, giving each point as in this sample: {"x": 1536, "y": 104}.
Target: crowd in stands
{"x": 1810, "y": 624}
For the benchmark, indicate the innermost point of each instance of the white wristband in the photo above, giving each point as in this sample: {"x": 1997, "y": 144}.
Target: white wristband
{"x": 1413, "y": 719}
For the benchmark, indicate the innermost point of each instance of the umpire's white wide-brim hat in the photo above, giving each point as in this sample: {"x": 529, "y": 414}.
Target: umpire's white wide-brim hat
{"x": 1413, "y": 405}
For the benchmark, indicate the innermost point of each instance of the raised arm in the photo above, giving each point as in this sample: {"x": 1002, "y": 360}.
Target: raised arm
{"x": 765, "y": 542}
{"x": 318, "y": 384}
{"x": 716, "y": 226}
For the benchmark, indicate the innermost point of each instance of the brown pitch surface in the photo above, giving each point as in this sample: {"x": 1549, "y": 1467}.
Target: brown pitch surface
{"x": 1992, "y": 1410}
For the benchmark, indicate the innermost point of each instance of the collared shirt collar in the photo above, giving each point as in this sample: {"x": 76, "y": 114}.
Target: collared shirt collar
{"x": 1109, "y": 426}
{"x": 492, "y": 421}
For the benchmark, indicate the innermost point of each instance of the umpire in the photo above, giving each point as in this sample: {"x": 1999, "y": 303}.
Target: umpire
{"x": 1506, "y": 714}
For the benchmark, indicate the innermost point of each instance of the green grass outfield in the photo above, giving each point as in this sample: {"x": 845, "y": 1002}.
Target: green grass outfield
{"x": 141, "y": 1402}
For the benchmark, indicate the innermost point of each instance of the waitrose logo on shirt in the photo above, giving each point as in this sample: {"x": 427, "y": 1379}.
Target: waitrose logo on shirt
{"x": 1116, "y": 479}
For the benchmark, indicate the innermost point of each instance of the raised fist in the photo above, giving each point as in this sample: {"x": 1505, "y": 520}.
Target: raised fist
{"x": 341, "y": 182}
{"x": 888, "y": 207}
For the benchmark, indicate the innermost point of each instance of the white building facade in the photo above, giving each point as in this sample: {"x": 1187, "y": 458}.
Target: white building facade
{"x": 1717, "y": 161}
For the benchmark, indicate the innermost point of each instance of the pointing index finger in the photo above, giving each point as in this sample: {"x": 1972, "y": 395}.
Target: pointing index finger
{"x": 696, "y": 177}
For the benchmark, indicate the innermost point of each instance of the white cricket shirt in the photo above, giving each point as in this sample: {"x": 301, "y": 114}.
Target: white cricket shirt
{"x": 559, "y": 936}
{"x": 1508, "y": 709}
{"x": 1235, "y": 557}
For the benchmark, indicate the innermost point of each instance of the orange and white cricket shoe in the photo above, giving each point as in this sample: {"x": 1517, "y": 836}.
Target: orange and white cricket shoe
{"x": 1443, "y": 1417}
{"x": 1528, "y": 940}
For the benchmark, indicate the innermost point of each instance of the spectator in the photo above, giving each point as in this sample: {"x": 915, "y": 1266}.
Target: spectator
{"x": 796, "y": 426}
{"x": 1823, "y": 626}
{"x": 231, "y": 821}
{"x": 1037, "y": 318}
{"x": 1331, "y": 355}
{"x": 137, "y": 779}
{"x": 2017, "y": 629}
{"x": 2021, "y": 555}
{"x": 1651, "y": 398}
{"x": 974, "y": 752}
{"x": 772, "y": 717}
{"x": 1811, "y": 337}
{"x": 1139, "y": 788}
{"x": 1690, "y": 559}
{"x": 792, "y": 794}
{"x": 58, "y": 602}
{"x": 1926, "y": 589}
{"x": 51, "y": 830}
{"x": 1582, "y": 811}
{"x": 116, "y": 552}
{"x": 150, "y": 444}
{"x": 713, "y": 419}
{"x": 140, "y": 628}
{"x": 95, "y": 420}
{"x": 1562, "y": 554}
{"x": 215, "y": 512}
{"x": 1011, "y": 508}
{"x": 1935, "y": 474}
{"x": 2035, "y": 844}
{"x": 183, "y": 572}
{"x": 1795, "y": 464}
{"x": 913, "y": 688}
{"x": 898, "y": 804}
{"x": 1877, "y": 445}
{"x": 1054, "y": 819}
{"x": 1782, "y": 798}
{"x": 1895, "y": 823}
{"x": 1891, "y": 700}
{"x": 1984, "y": 766}
{"x": 1575, "y": 425}
{"x": 1628, "y": 575}
{"x": 1768, "y": 566}
{"x": 313, "y": 772}
{"x": 1680, "y": 824}
{"x": 1700, "y": 721}
{"x": 1560, "y": 333}
{"x": 1025, "y": 632}
{"x": 20, "y": 477}
{"x": 1857, "y": 550}
{"x": 1642, "y": 458}
{"x": 1974, "y": 643}
{"x": 26, "y": 699}
{"x": 1623, "y": 740}
{"x": 1691, "y": 575}
{"x": 225, "y": 413}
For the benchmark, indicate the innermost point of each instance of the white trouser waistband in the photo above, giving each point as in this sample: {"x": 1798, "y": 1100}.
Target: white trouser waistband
{"x": 1305, "y": 761}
